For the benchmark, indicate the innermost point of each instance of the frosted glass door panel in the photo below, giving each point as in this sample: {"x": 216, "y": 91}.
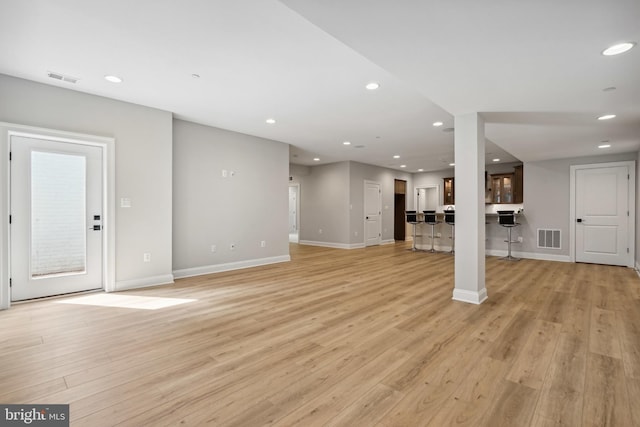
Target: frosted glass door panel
{"x": 58, "y": 214}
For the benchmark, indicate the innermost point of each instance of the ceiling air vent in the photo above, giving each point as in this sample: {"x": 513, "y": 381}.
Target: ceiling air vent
{"x": 62, "y": 77}
{"x": 548, "y": 238}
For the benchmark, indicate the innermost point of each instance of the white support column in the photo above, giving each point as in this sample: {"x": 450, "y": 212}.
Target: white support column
{"x": 470, "y": 209}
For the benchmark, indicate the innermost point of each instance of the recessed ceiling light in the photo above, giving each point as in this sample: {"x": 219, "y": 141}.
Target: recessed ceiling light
{"x": 606, "y": 117}
{"x": 372, "y": 86}
{"x": 403, "y": 166}
{"x": 609, "y": 89}
{"x": 617, "y": 49}
{"x": 396, "y": 156}
{"x": 420, "y": 170}
{"x": 604, "y": 145}
{"x": 496, "y": 160}
{"x": 452, "y": 164}
{"x": 113, "y": 79}
{"x": 270, "y": 121}
{"x": 346, "y": 143}
{"x": 195, "y": 76}
{"x": 436, "y": 124}
{"x": 316, "y": 159}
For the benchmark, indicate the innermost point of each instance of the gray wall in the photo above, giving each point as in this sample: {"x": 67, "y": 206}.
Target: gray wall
{"x": 332, "y": 200}
{"x": 243, "y": 209}
{"x": 359, "y": 172}
{"x": 324, "y": 202}
{"x": 143, "y": 164}
{"x": 546, "y": 198}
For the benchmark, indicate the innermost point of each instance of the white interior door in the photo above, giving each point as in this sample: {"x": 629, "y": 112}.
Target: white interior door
{"x": 372, "y": 213}
{"x": 56, "y": 217}
{"x": 602, "y": 215}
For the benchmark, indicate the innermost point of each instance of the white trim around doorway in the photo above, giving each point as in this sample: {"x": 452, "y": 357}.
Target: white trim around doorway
{"x": 632, "y": 206}
{"x": 108, "y": 148}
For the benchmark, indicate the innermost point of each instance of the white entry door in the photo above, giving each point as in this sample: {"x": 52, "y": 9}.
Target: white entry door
{"x": 56, "y": 217}
{"x": 602, "y": 215}
{"x": 372, "y": 213}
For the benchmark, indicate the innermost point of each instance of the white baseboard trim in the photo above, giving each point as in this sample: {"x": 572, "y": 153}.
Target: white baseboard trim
{"x": 218, "y": 268}
{"x": 388, "y": 242}
{"x": 638, "y": 268}
{"x": 529, "y": 255}
{"x": 123, "y": 285}
{"x": 471, "y": 297}
{"x": 333, "y": 245}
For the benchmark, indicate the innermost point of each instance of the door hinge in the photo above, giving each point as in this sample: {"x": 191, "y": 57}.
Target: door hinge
{"x": 9, "y": 219}
{"x": 9, "y": 155}
{"x": 10, "y": 282}
{"x": 627, "y": 250}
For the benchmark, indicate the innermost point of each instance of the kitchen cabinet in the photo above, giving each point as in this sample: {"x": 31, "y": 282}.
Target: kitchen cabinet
{"x": 502, "y": 188}
{"x": 449, "y": 195}
{"x": 518, "y": 175}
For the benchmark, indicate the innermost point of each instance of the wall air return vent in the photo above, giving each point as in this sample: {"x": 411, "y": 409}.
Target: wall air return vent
{"x": 62, "y": 77}
{"x": 548, "y": 238}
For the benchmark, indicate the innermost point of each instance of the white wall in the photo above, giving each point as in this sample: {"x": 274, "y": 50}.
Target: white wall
{"x": 143, "y": 166}
{"x": 247, "y": 207}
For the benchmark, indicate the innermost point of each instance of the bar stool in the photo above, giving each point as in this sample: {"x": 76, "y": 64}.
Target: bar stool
{"x": 430, "y": 219}
{"x": 412, "y": 218}
{"x": 508, "y": 219}
{"x": 450, "y": 218}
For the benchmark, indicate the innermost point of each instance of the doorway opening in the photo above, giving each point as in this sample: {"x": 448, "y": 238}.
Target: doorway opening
{"x": 294, "y": 213}
{"x": 399, "y": 206}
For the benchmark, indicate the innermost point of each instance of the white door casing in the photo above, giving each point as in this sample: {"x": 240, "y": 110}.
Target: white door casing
{"x": 603, "y": 214}
{"x": 372, "y": 213}
{"x": 57, "y": 217}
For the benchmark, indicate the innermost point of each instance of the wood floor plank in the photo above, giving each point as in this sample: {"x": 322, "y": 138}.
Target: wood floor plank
{"x": 603, "y": 336}
{"x": 533, "y": 361}
{"x": 562, "y": 395}
{"x": 606, "y": 398}
{"x": 343, "y": 338}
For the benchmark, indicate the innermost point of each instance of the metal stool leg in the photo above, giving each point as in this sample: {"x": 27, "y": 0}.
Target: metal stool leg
{"x": 413, "y": 246}
{"x": 453, "y": 238}
{"x": 433, "y": 237}
{"x": 509, "y": 257}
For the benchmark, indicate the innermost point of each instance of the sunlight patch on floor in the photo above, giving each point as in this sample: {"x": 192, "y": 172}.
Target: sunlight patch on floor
{"x": 125, "y": 301}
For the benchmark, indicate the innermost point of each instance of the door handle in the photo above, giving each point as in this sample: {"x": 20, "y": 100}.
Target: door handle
{"x": 579, "y": 220}
{"x": 367, "y": 218}
{"x": 95, "y": 228}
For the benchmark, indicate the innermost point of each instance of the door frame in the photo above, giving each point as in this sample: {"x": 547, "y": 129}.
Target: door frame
{"x": 297, "y": 186}
{"x": 107, "y": 144}
{"x": 631, "y": 189}
{"x": 364, "y": 212}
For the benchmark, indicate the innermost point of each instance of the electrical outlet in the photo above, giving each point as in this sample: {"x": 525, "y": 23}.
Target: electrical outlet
{"x": 355, "y": 233}
{"x": 146, "y": 257}
{"x": 224, "y": 173}
{"x": 320, "y": 231}
{"x": 232, "y": 246}
{"x": 520, "y": 239}
{"x": 263, "y": 244}
{"x": 213, "y": 248}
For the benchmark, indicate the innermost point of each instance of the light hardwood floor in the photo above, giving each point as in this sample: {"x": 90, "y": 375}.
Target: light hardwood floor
{"x": 366, "y": 337}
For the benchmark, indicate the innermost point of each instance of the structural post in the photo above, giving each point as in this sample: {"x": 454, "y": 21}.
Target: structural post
{"x": 470, "y": 209}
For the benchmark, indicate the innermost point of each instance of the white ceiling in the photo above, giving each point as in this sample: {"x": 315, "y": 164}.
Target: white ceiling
{"x": 533, "y": 69}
